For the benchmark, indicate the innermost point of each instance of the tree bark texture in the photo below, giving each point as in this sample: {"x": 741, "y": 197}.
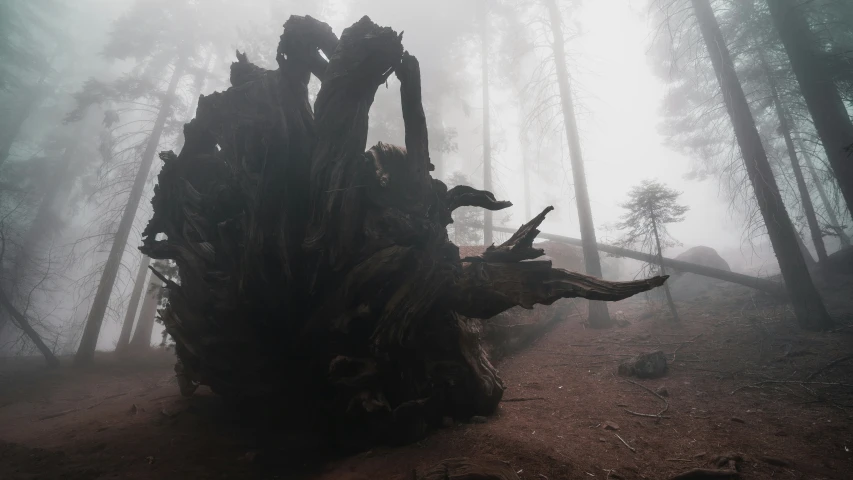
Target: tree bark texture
{"x": 805, "y": 299}
{"x": 599, "y": 317}
{"x": 86, "y": 351}
{"x": 810, "y": 65}
{"x": 322, "y": 274}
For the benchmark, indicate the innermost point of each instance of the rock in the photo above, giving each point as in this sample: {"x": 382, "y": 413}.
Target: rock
{"x": 608, "y": 425}
{"x": 662, "y": 392}
{"x": 645, "y": 365}
{"x": 686, "y": 286}
{"x": 705, "y": 256}
{"x": 478, "y": 419}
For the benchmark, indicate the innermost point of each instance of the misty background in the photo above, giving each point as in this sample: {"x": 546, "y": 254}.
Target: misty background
{"x": 82, "y": 81}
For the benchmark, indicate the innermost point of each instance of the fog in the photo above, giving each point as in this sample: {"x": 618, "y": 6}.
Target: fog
{"x": 96, "y": 58}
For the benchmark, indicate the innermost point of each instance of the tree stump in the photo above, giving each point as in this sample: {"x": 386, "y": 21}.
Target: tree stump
{"x": 320, "y": 275}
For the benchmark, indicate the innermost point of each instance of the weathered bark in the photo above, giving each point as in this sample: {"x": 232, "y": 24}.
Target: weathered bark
{"x": 805, "y": 299}
{"x": 825, "y": 104}
{"x": 805, "y": 197}
{"x": 86, "y": 351}
{"x": 599, "y": 317}
{"x": 761, "y": 284}
{"x": 321, "y": 274}
{"x": 130, "y": 316}
{"x": 488, "y": 221}
{"x": 145, "y": 326}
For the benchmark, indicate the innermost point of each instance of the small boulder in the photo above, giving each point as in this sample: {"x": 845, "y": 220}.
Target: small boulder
{"x": 645, "y": 365}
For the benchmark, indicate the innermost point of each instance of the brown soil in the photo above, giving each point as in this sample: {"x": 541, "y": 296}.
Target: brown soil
{"x": 734, "y": 390}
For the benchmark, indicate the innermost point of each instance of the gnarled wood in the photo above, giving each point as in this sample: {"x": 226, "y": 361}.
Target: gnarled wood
{"x": 322, "y": 274}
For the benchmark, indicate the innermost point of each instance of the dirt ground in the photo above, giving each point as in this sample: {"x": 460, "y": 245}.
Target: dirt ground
{"x": 745, "y": 384}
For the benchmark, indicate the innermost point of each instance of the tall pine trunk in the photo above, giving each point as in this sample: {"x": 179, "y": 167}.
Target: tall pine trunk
{"x": 487, "y": 134}
{"x": 805, "y": 299}
{"x": 86, "y": 351}
{"x": 145, "y": 325}
{"x": 669, "y": 300}
{"x": 130, "y": 315}
{"x": 141, "y": 274}
{"x": 599, "y": 317}
{"x": 805, "y": 197}
{"x": 827, "y": 109}
{"x": 824, "y": 198}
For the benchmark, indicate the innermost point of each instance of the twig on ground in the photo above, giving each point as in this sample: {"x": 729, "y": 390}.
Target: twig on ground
{"x": 625, "y": 443}
{"x": 72, "y": 410}
{"x": 683, "y": 344}
{"x": 659, "y": 414}
{"x": 798, "y": 382}
{"x": 829, "y": 365}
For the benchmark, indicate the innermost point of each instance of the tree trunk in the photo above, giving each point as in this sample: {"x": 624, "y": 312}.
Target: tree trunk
{"x": 835, "y": 225}
{"x": 145, "y": 326}
{"x": 663, "y": 273}
{"x": 55, "y": 194}
{"x": 322, "y": 275}
{"x": 24, "y": 324}
{"x": 805, "y": 299}
{"x": 138, "y": 286}
{"x": 599, "y": 317}
{"x": 86, "y": 351}
{"x": 29, "y": 102}
{"x": 487, "y": 134}
{"x": 827, "y": 109}
{"x": 764, "y": 285}
{"x": 805, "y": 197}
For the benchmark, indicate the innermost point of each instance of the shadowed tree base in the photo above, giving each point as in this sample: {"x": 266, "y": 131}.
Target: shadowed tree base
{"x": 322, "y": 275}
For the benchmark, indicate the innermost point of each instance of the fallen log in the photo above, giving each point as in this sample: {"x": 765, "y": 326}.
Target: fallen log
{"x": 764, "y": 285}
{"x": 318, "y": 278}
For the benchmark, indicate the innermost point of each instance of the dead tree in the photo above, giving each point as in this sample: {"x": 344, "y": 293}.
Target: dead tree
{"x": 323, "y": 275}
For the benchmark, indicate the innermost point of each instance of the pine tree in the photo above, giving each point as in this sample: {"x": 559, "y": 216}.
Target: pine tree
{"x": 651, "y": 206}
{"x": 808, "y": 306}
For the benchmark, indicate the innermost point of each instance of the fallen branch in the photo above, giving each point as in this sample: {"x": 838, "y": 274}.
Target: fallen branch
{"x": 72, "y": 410}
{"x": 829, "y": 365}
{"x": 659, "y": 414}
{"x": 625, "y": 443}
{"x": 683, "y": 344}
{"x": 797, "y": 382}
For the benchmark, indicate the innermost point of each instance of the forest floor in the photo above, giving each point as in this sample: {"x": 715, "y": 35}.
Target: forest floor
{"x": 745, "y": 384}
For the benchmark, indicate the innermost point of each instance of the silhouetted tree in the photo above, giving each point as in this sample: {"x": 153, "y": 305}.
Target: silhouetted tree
{"x": 808, "y": 306}
{"x": 651, "y": 206}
